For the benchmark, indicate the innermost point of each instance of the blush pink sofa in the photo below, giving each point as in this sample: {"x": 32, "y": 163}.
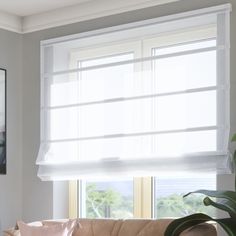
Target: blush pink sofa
{"x": 128, "y": 227}
{"x": 135, "y": 227}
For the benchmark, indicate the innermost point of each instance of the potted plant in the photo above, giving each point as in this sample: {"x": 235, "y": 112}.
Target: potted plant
{"x": 226, "y": 202}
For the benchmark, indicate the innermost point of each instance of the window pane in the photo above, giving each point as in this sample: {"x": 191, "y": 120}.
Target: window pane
{"x": 135, "y": 79}
{"x": 186, "y": 110}
{"x": 135, "y": 116}
{"x": 169, "y": 193}
{"x": 185, "y": 47}
{"x": 106, "y": 59}
{"x": 107, "y": 199}
{"x": 185, "y": 72}
{"x": 133, "y": 147}
{"x": 186, "y": 142}
{"x": 94, "y": 84}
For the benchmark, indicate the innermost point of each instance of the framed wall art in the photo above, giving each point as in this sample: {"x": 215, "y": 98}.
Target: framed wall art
{"x": 3, "y": 157}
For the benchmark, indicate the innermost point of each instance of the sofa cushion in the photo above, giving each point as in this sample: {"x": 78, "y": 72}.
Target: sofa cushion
{"x": 62, "y": 229}
{"x": 129, "y": 227}
{"x": 59, "y": 221}
{"x": 201, "y": 230}
{"x": 15, "y": 230}
{"x": 96, "y": 227}
{"x": 11, "y": 232}
{"x": 136, "y": 227}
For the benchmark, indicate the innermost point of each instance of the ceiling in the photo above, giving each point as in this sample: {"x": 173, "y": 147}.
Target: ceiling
{"x": 31, "y": 7}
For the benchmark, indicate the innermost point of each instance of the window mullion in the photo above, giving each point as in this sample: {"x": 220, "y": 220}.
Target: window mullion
{"x": 137, "y": 197}
{"x": 73, "y": 199}
{"x": 143, "y": 197}
{"x": 147, "y": 197}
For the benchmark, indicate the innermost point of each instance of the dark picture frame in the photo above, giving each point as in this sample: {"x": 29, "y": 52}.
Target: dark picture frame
{"x": 3, "y": 118}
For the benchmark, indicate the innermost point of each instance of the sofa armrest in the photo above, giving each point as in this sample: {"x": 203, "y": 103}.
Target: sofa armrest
{"x": 201, "y": 230}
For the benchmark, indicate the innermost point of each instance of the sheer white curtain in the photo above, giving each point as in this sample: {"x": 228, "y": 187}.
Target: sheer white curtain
{"x": 139, "y": 99}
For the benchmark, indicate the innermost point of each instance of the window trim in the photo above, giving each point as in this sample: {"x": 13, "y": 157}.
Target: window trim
{"x": 143, "y": 197}
{"x": 73, "y": 199}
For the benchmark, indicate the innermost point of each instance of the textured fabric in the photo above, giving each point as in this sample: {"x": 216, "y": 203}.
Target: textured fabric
{"x": 11, "y": 232}
{"x": 55, "y": 222}
{"x": 131, "y": 227}
{"x": 136, "y": 227}
{"x": 15, "y": 230}
{"x": 62, "y": 229}
{"x": 201, "y": 230}
{"x": 125, "y": 128}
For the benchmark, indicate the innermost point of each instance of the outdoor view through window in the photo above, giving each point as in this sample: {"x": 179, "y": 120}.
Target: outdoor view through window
{"x": 115, "y": 199}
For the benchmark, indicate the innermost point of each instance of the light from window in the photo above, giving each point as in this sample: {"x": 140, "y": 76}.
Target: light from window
{"x": 107, "y": 199}
{"x": 169, "y": 191}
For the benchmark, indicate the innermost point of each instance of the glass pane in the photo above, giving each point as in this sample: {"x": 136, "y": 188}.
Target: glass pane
{"x": 169, "y": 193}
{"x": 186, "y": 110}
{"x": 134, "y": 147}
{"x": 185, "y": 47}
{"x": 186, "y": 142}
{"x": 106, "y": 60}
{"x": 135, "y": 79}
{"x": 135, "y": 116}
{"x": 61, "y": 90}
{"x": 92, "y": 85}
{"x": 107, "y": 199}
{"x": 185, "y": 72}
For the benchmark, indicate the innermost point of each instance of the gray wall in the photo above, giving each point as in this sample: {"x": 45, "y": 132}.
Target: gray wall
{"x": 11, "y": 184}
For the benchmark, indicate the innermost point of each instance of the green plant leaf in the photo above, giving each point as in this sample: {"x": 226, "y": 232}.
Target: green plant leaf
{"x": 224, "y": 205}
{"x": 229, "y": 195}
{"x": 228, "y": 225}
{"x": 179, "y": 225}
{"x": 234, "y": 167}
{"x": 233, "y": 138}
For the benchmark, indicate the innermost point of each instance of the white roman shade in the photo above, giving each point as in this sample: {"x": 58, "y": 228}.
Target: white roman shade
{"x": 145, "y": 98}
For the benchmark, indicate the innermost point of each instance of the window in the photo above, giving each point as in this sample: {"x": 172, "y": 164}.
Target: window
{"x": 146, "y": 99}
{"x": 143, "y": 197}
{"x": 169, "y": 191}
{"x": 106, "y": 199}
